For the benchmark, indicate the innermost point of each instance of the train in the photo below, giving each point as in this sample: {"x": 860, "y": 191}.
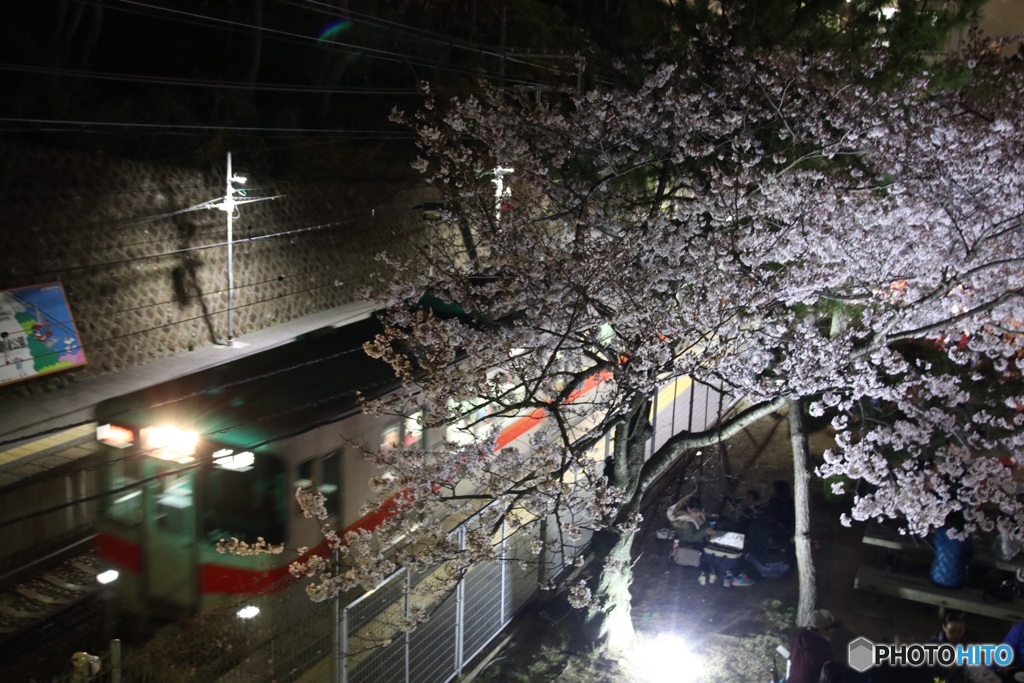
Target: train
{"x": 219, "y": 454}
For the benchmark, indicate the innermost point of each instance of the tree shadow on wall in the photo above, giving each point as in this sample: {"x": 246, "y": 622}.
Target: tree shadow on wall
{"x": 185, "y": 279}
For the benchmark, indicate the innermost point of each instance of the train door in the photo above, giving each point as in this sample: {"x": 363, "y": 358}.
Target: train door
{"x": 170, "y": 552}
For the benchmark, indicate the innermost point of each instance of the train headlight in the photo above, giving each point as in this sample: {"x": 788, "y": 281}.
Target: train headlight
{"x": 170, "y": 443}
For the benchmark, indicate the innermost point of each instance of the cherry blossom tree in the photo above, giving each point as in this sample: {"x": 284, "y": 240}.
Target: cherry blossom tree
{"x": 770, "y": 223}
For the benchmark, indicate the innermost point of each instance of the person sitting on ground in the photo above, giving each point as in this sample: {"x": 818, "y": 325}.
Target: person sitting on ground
{"x": 812, "y": 648}
{"x": 745, "y": 511}
{"x": 690, "y": 523}
{"x": 780, "y": 506}
{"x": 723, "y": 556}
{"x": 1015, "y": 639}
{"x": 769, "y": 549}
{"x": 954, "y": 630}
{"x": 693, "y": 530}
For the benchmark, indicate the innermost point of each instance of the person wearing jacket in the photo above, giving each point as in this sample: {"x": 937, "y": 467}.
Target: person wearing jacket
{"x": 812, "y": 648}
{"x": 689, "y": 522}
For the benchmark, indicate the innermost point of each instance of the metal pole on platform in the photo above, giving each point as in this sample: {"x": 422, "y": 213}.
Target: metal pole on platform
{"x": 229, "y": 209}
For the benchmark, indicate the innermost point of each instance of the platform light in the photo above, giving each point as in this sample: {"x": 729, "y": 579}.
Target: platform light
{"x": 170, "y": 443}
{"x": 107, "y": 577}
{"x": 248, "y": 612}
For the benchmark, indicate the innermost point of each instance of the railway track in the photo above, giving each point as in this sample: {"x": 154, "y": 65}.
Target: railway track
{"x": 48, "y": 589}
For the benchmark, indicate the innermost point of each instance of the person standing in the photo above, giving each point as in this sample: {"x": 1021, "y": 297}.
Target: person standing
{"x": 812, "y": 648}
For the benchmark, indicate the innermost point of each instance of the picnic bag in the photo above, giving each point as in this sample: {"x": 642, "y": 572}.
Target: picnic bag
{"x": 687, "y": 557}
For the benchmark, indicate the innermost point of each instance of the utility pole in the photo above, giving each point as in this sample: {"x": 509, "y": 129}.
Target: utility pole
{"x": 229, "y": 209}
{"x": 228, "y": 206}
{"x": 501, "y": 193}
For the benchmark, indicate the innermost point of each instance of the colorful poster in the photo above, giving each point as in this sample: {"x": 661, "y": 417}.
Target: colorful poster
{"x": 37, "y": 334}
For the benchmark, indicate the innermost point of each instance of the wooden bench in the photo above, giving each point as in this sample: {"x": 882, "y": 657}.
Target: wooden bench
{"x": 921, "y": 589}
{"x": 887, "y": 537}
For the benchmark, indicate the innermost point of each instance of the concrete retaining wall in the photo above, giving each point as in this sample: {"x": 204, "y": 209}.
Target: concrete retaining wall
{"x": 146, "y": 280}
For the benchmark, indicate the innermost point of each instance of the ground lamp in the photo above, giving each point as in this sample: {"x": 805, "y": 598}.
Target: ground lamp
{"x": 666, "y": 657}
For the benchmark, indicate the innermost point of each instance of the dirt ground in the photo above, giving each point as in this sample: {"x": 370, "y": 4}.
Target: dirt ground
{"x": 734, "y": 629}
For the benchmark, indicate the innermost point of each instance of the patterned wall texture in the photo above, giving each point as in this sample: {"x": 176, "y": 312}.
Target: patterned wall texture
{"x": 146, "y": 279}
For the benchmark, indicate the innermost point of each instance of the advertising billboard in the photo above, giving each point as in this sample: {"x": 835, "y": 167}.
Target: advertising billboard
{"x": 37, "y": 334}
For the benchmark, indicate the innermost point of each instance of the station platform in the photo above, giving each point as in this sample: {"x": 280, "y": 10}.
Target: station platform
{"x": 43, "y": 431}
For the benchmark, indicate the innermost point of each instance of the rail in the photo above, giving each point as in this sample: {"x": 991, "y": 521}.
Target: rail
{"x": 44, "y": 590}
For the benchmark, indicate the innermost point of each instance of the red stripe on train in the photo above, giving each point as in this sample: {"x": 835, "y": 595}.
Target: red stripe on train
{"x": 525, "y": 424}
{"x": 125, "y": 554}
{"x": 218, "y": 578}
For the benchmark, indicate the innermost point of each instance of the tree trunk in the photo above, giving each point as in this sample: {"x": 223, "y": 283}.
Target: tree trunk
{"x": 609, "y": 620}
{"x": 802, "y": 504}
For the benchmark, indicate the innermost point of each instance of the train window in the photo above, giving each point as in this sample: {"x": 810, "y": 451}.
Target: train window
{"x": 413, "y": 430}
{"x": 174, "y": 505}
{"x": 330, "y": 486}
{"x": 391, "y": 437}
{"x": 305, "y": 478}
{"x": 326, "y": 478}
{"x": 122, "y": 476}
{"x": 473, "y": 426}
{"x": 459, "y": 434}
{"x": 247, "y": 504}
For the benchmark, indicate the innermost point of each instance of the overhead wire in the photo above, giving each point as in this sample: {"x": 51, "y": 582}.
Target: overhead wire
{"x": 290, "y": 36}
{"x": 339, "y": 132}
{"x": 204, "y": 83}
{"x": 132, "y": 222}
{"x": 197, "y": 248}
{"x": 431, "y": 36}
{"x": 218, "y": 22}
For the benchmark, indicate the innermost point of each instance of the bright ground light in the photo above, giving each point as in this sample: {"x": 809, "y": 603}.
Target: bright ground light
{"x": 665, "y": 658}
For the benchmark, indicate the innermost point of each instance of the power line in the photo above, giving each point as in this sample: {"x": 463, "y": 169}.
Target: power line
{"x": 202, "y": 83}
{"x": 185, "y": 250}
{"x": 208, "y": 127}
{"x": 290, "y": 36}
{"x": 434, "y": 37}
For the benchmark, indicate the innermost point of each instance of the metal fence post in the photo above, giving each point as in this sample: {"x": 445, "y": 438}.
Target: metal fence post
{"x": 460, "y": 610}
{"x": 337, "y": 639}
{"x": 408, "y": 615}
{"x": 654, "y": 421}
{"x": 504, "y": 569}
{"x": 344, "y": 646}
{"x": 115, "y": 661}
